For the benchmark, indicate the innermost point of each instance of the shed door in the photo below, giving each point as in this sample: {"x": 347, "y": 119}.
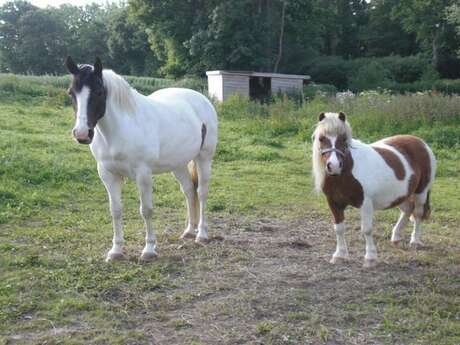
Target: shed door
{"x": 260, "y": 88}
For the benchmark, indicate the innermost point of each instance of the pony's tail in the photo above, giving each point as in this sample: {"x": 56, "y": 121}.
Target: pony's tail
{"x": 426, "y": 207}
{"x": 194, "y": 174}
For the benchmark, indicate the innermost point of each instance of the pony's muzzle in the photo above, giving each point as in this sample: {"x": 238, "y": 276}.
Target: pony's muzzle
{"x": 84, "y": 136}
{"x": 334, "y": 168}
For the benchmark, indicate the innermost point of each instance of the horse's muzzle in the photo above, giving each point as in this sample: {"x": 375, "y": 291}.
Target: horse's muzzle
{"x": 87, "y": 140}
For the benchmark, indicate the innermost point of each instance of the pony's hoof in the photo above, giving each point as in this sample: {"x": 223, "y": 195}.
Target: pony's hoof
{"x": 396, "y": 243}
{"x": 187, "y": 235}
{"x": 114, "y": 257}
{"x": 338, "y": 259}
{"x": 148, "y": 256}
{"x": 202, "y": 241}
{"x": 370, "y": 263}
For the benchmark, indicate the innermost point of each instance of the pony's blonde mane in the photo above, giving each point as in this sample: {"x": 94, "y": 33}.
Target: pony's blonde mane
{"x": 119, "y": 92}
{"x": 331, "y": 125}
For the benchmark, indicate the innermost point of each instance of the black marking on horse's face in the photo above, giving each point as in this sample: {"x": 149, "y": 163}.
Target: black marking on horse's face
{"x": 90, "y": 77}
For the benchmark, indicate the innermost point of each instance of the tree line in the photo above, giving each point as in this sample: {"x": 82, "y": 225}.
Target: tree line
{"x": 173, "y": 38}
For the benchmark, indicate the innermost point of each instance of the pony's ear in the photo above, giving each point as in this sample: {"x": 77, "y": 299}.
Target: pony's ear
{"x": 98, "y": 68}
{"x": 71, "y": 66}
{"x": 321, "y": 117}
{"x": 342, "y": 116}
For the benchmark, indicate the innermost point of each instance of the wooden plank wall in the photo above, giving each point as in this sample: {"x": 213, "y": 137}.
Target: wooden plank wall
{"x": 235, "y": 84}
{"x": 286, "y": 85}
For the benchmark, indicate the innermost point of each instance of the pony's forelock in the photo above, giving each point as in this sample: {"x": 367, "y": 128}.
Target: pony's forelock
{"x": 119, "y": 92}
{"x": 331, "y": 125}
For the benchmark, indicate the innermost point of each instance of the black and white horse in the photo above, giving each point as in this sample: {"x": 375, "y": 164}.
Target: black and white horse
{"x": 134, "y": 136}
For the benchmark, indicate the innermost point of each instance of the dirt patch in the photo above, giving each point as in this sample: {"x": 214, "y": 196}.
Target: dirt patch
{"x": 270, "y": 282}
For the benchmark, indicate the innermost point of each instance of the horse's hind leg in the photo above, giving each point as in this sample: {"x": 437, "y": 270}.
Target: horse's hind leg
{"x": 421, "y": 205}
{"x": 145, "y": 184}
{"x": 189, "y": 190}
{"x": 203, "y": 164}
{"x": 113, "y": 184}
{"x": 406, "y": 209}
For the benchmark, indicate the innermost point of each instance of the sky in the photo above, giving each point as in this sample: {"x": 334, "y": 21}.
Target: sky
{"x": 44, "y": 3}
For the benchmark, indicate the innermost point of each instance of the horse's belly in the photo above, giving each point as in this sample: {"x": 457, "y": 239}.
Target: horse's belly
{"x": 388, "y": 193}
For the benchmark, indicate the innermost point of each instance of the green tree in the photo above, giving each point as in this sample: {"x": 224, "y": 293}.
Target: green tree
{"x": 10, "y": 38}
{"x": 128, "y": 44}
{"x": 427, "y": 20}
{"x": 384, "y": 35}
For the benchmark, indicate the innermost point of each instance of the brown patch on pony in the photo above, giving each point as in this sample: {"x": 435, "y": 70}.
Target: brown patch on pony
{"x": 393, "y": 162}
{"x": 203, "y": 134}
{"x": 414, "y": 150}
{"x": 343, "y": 190}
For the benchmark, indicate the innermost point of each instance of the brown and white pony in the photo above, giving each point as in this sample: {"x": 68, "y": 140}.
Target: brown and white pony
{"x": 395, "y": 171}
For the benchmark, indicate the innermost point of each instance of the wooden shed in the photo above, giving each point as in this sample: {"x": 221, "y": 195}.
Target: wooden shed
{"x": 256, "y": 85}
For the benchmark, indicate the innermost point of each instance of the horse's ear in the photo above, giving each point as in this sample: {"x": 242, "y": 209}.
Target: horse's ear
{"x": 71, "y": 66}
{"x": 98, "y": 67}
{"x": 321, "y": 117}
{"x": 342, "y": 116}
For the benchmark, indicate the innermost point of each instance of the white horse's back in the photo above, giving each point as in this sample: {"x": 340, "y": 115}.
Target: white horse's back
{"x": 193, "y": 103}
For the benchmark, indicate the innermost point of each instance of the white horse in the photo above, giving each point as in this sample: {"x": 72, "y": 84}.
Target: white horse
{"x": 395, "y": 171}
{"x": 134, "y": 136}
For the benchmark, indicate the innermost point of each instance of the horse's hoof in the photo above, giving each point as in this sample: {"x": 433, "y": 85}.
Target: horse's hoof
{"x": 417, "y": 244}
{"x": 202, "y": 241}
{"x": 187, "y": 235}
{"x": 148, "y": 256}
{"x": 369, "y": 263}
{"x": 338, "y": 259}
{"x": 114, "y": 257}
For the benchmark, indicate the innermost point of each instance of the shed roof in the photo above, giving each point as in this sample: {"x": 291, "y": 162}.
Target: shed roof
{"x": 258, "y": 74}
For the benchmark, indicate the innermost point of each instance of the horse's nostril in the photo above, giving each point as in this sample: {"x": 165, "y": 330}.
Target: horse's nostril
{"x": 340, "y": 165}
{"x": 328, "y": 166}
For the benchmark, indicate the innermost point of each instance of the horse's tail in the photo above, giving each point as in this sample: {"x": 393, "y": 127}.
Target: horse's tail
{"x": 194, "y": 174}
{"x": 426, "y": 207}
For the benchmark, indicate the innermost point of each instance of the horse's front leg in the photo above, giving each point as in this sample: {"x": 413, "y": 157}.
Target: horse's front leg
{"x": 113, "y": 184}
{"x": 367, "y": 214}
{"x": 341, "y": 251}
{"x": 145, "y": 185}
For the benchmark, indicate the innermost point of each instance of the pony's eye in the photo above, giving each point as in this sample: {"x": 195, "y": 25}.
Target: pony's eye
{"x": 321, "y": 139}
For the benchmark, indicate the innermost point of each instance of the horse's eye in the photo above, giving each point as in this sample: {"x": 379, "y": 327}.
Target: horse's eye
{"x": 321, "y": 139}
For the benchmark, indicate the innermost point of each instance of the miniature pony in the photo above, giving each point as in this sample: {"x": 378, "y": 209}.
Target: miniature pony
{"x": 395, "y": 171}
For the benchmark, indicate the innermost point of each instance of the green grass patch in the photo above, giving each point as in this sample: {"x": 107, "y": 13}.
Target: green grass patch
{"x": 55, "y": 228}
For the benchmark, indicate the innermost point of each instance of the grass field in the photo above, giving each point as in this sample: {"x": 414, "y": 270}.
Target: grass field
{"x": 265, "y": 276}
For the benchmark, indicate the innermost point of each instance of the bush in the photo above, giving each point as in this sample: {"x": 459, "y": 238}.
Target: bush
{"x": 447, "y": 86}
{"x": 343, "y": 73}
{"x": 370, "y": 77}
{"x": 331, "y": 70}
{"x": 406, "y": 69}
{"x": 312, "y": 90}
